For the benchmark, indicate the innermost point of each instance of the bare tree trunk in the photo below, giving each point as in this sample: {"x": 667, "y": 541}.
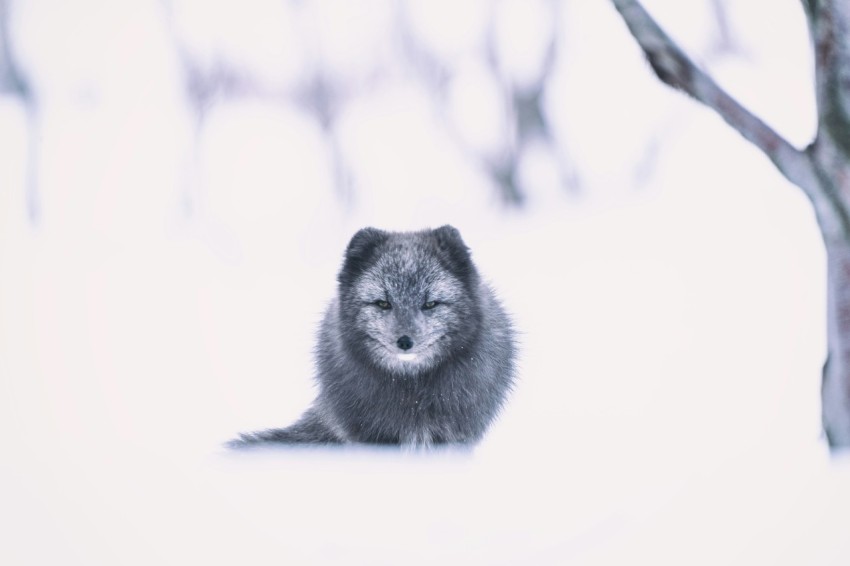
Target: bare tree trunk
{"x": 835, "y": 392}
{"x": 822, "y": 170}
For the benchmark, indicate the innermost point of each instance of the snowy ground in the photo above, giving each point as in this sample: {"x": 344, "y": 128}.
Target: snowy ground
{"x": 672, "y": 331}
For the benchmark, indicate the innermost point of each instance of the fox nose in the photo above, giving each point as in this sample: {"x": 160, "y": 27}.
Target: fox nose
{"x": 405, "y": 343}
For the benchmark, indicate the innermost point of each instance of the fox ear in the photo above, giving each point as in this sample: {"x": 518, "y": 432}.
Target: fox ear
{"x": 360, "y": 250}
{"x": 451, "y": 244}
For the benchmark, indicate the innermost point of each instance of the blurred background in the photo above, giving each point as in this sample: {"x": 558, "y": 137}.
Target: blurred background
{"x": 179, "y": 179}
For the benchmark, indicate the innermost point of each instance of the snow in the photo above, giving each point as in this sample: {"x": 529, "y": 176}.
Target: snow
{"x": 671, "y": 329}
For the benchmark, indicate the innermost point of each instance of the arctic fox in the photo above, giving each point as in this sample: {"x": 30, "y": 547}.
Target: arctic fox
{"x": 415, "y": 349}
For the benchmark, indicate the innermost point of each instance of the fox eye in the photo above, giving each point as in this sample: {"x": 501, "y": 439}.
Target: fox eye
{"x": 384, "y": 305}
{"x": 429, "y": 305}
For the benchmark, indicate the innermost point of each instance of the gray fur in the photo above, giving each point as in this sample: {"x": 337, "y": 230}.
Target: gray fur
{"x": 444, "y": 382}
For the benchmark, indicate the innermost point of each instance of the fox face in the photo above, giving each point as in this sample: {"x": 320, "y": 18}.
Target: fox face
{"x": 408, "y": 301}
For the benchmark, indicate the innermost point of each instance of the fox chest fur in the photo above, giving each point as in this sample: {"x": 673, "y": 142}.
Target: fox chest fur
{"x": 449, "y": 400}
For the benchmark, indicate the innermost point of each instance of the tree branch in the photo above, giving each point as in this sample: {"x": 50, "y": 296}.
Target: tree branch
{"x": 675, "y": 68}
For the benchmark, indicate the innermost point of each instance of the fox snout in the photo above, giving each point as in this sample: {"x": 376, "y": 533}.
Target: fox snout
{"x": 405, "y": 343}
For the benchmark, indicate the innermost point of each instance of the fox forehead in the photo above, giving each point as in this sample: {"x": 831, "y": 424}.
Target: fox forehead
{"x": 401, "y": 277}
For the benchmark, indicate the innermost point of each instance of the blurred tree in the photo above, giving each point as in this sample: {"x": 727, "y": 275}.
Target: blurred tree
{"x": 283, "y": 62}
{"x": 14, "y": 82}
{"x": 821, "y": 170}
{"x": 725, "y": 41}
{"x": 506, "y": 85}
{"x": 494, "y": 61}
{"x": 526, "y": 95}
{"x": 10, "y": 80}
{"x": 488, "y": 68}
